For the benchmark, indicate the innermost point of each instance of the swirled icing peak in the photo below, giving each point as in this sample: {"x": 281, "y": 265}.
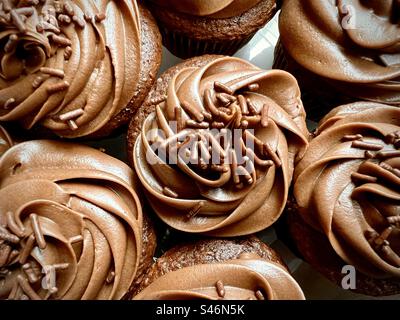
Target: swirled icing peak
{"x": 353, "y": 43}
{"x": 209, "y": 8}
{"x": 68, "y": 65}
{"x": 70, "y": 223}
{"x": 217, "y": 156}
{"x": 348, "y": 186}
{"x": 246, "y": 278}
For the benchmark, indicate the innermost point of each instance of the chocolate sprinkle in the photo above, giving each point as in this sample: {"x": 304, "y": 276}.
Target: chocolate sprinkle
{"x": 27, "y": 248}
{"x": 252, "y": 107}
{"x": 7, "y": 236}
{"x": 37, "y": 230}
{"x": 352, "y": 137}
{"x": 60, "y": 40}
{"x": 383, "y": 236}
{"x": 100, "y": 17}
{"x": 71, "y": 114}
{"x": 253, "y": 87}
{"x": 57, "y": 87}
{"x": 367, "y": 145}
{"x": 192, "y": 111}
{"x": 53, "y": 72}
{"x": 110, "y": 277}
{"x": 388, "y": 154}
{"x": 243, "y": 104}
{"x": 264, "y": 115}
{"x": 9, "y": 103}
{"x": 220, "y": 87}
{"x": 72, "y": 125}
{"x": 78, "y": 21}
{"x": 220, "y": 288}
{"x": 259, "y": 295}
{"x": 170, "y": 193}
{"x": 37, "y": 82}
{"x": 274, "y": 157}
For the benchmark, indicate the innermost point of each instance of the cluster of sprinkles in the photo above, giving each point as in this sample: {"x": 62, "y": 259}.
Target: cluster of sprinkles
{"x": 16, "y": 246}
{"x": 225, "y": 107}
{"x": 48, "y": 17}
{"x": 377, "y": 160}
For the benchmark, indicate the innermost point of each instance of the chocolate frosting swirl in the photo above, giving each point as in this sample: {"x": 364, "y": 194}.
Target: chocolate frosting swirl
{"x": 5, "y": 141}
{"x": 245, "y": 278}
{"x": 218, "y": 9}
{"x": 70, "y": 223}
{"x": 63, "y": 65}
{"x": 348, "y": 186}
{"x": 236, "y": 150}
{"x": 353, "y": 44}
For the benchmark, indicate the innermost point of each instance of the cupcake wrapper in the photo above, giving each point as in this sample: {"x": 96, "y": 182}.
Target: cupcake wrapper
{"x": 318, "y": 96}
{"x": 185, "y": 47}
{"x": 280, "y": 61}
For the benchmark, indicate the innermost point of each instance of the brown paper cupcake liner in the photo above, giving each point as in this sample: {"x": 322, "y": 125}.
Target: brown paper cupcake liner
{"x": 318, "y": 96}
{"x": 182, "y": 46}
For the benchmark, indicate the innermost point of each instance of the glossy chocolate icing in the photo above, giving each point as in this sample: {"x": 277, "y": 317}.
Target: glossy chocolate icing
{"x": 352, "y": 44}
{"x": 230, "y": 198}
{"x": 70, "y": 223}
{"x": 348, "y": 186}
{"x": 247, "y": 278}
{"x": 70, "y": 66}
{"x": 218, "y": 9}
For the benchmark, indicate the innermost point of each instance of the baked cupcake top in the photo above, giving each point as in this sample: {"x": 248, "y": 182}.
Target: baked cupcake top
{"x": 70, "y": 223}
{"x": 348, "y": 186}
{"x": 211, "y": 8}
{"x": 68, "y": 65}
{"x": 5, "y": 141}
{"x": 354, "y": 44}
{"x": 217, "y": 156}
{"x": 248, "y": 277}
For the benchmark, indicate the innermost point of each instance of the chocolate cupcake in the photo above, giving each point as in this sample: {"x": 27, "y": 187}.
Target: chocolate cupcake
{"x": 341, "y": 51}
{"x": 193, "y": 28}
{"x": 70, "y": 224}
{"x": 217, "y": 155}
{"x": 5, "y": 141}
{"x": 240, "y": 269}
{"x": 347, "y": 192}
{"x": 75, "y": 68}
